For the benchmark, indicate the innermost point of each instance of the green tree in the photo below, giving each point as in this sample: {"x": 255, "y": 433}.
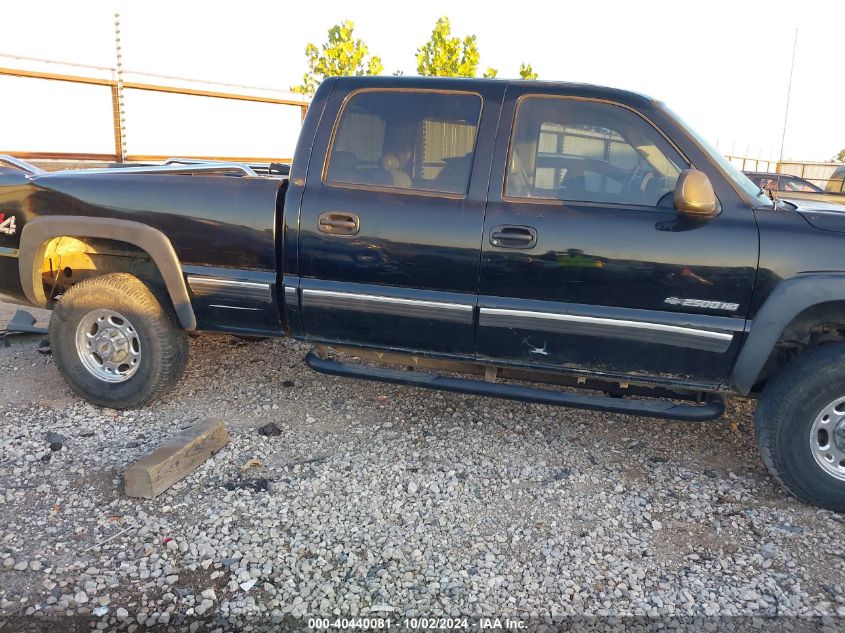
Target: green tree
{"x": 447, "y": 56}
{"x": 341, "y": 56}
{"x": 840, "y": 157}
{"x": 526, "y": 72}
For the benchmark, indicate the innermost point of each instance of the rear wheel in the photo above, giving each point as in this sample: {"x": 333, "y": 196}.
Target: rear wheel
{"x": 116, "y": 343}
{"x": 800, "y": 425}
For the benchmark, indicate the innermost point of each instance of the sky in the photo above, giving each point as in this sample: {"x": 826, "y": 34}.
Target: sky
{"x": 723, "y": 66}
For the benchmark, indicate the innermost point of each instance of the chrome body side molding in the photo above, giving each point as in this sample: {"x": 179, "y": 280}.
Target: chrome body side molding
{"x": 397, "y": 306}
{"x": 645, "y": 331}
{"x": 230, "y": 288}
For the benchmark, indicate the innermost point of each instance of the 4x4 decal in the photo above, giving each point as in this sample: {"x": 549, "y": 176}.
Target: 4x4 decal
{"x": 7, "y": 225}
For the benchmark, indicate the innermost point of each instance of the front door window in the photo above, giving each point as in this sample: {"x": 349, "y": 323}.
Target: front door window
{"x": 593, "y": 152}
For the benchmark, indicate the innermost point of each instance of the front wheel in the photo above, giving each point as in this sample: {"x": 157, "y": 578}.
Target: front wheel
{"x": 115, "y": 343}
{"x": 800, "y": 426}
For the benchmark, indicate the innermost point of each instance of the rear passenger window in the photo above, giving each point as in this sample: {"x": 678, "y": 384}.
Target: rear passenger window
{"x": 408, "y": 140}
{"x": 587, "y": 151}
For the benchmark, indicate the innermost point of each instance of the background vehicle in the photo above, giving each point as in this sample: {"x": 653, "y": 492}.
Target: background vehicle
{"x": 558, "y": 233}
{"x": 795, "y": 188}
{"x": 836, "y": 184}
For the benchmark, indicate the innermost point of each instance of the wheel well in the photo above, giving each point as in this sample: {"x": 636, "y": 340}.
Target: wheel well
{"x": 68, "y": 260}
{"x": 817, "y": 325}
{"x": 99, "y": 245}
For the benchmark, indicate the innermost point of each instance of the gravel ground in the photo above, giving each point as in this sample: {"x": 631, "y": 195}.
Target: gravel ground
{"x": 371, "y": 499}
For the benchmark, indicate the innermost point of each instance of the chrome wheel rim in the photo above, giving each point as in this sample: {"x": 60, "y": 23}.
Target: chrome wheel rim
{"x": 108, "y": 345}
{"x": 827, "y": 439}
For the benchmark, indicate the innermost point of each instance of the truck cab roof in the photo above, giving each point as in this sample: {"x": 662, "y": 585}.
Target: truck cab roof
{"x": 583, "y": 90}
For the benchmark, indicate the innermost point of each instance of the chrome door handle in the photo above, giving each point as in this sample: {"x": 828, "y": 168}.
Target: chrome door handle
{"x": 339, "y": 223}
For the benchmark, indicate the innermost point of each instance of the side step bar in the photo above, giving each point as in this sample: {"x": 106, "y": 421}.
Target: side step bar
{"x": 710, "y": 410}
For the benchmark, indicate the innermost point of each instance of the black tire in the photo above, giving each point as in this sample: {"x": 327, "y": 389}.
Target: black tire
{"x": 788, "y": 408}
{"x": 163, "y": 344}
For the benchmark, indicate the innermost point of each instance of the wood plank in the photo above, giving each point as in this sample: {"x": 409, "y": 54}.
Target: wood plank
{"x": 175, "y": 459}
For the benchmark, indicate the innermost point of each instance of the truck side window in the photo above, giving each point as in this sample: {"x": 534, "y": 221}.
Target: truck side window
{"x": 836, "y": 184}
{"x": 589, "y": 151}
{"x": 411, "y": 140}
{"x": 793, "y": 183}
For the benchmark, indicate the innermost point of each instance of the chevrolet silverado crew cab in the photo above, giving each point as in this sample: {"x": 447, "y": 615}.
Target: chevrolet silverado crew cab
{"x": 499, "y": 238}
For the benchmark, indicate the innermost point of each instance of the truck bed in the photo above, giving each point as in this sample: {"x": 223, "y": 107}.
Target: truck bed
{"x": 220, "y": 219}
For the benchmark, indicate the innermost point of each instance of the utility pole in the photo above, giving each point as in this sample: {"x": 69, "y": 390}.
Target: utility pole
{"x": 119, "y": 113}
{"x": 788, "y": 94}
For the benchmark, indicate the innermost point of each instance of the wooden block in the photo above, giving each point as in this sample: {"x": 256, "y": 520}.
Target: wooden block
{"x": 175, "y": 459}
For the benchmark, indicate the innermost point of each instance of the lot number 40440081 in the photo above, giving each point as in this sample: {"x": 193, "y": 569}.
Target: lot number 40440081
{"x": 7, "y": 225}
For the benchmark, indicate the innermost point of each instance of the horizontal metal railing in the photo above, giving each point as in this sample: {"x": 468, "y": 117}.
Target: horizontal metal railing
{"x": 219, "y": 167}
{"x": 170, "y": 166}
{"x": 119, "y": 132}
{"x": 15, "y": 162}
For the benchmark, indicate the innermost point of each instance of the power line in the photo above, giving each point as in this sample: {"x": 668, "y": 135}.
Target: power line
{"x": 788, "y": 94}
{"x": 110, "y": 69}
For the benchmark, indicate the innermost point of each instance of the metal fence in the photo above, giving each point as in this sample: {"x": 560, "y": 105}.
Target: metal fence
{"x": 109, "y": 85}
{"x": 816, "y": 172}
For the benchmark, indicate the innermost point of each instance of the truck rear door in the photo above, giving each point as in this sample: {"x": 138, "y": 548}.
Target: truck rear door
{"x": 392, "y": 213}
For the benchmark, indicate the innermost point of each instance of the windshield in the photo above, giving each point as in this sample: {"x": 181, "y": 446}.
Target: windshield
{"x": 740, "y": 179}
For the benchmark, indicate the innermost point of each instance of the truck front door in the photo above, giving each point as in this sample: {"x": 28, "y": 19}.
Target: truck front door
{"x": 585, "y": 264}
{"x": 391, "y": 217}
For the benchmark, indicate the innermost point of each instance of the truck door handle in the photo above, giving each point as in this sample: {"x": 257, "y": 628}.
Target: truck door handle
{"x": 510, "y": 236}
{"x": 339, "y": 223}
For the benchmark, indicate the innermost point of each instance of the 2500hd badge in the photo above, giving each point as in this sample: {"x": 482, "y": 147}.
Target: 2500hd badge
{"x": 702, "y": 303}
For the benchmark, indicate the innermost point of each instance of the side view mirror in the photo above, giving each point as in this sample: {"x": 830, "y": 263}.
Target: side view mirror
{"x": 770, "y": 187}
{"x": 694, "y": 194}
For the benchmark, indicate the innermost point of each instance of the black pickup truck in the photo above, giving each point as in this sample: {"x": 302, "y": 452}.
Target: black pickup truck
{"x": 499, "y": 238}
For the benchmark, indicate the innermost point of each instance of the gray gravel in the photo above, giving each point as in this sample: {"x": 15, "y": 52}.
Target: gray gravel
{"x": 371, "y": 499}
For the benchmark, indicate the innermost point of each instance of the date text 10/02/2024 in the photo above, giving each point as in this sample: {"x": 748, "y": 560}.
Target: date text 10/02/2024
{"x": 432, "y": 624}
